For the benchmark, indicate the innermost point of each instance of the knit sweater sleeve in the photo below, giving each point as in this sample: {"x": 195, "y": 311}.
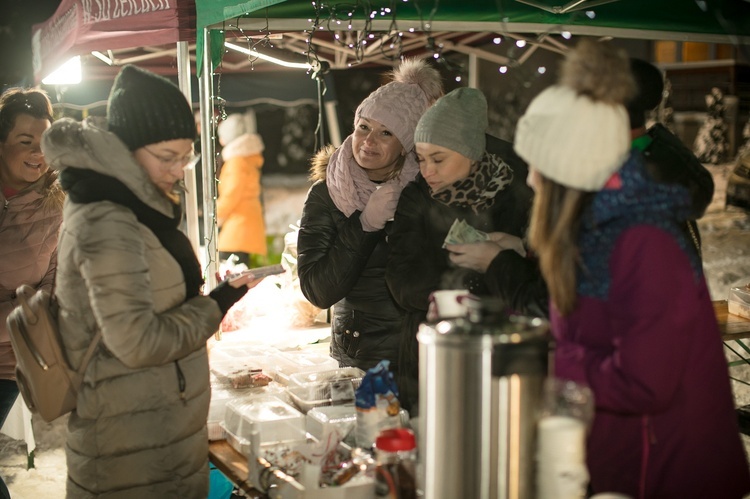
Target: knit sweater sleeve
{"x": 659, "y": 311}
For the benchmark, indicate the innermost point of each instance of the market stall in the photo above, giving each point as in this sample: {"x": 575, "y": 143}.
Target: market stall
{"x": 362, "y": 32}
{"x": 81, "y": 26}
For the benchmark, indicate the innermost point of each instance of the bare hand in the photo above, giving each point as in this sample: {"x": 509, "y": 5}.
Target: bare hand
{"x": 474, "y": 256}
{"x": 508, "y": 241}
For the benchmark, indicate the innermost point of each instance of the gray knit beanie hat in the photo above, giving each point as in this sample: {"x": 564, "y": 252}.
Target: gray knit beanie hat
{"x": 145, "y": 108}
{"x": 457, "y": 121}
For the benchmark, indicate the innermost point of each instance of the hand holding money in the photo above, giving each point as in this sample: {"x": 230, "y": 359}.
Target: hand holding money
{"x": 463, "y": 233}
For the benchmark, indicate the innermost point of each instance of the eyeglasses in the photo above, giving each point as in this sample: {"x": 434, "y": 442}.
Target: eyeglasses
{"x": 181, "y": 161}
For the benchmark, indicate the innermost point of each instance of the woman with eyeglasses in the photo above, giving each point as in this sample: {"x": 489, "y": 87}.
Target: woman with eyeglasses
{"x": 126, "y": 271}
{"x": 29, "y": 220}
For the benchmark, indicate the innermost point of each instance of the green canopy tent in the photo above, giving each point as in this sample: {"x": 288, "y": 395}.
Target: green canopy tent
{"x": 394, "y": 21}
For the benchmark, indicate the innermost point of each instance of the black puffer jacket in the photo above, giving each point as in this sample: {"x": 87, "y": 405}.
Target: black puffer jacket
{"x": 418, "y": 265}
{"x": 669, "y": 161}
{"x": 343, "y": 266}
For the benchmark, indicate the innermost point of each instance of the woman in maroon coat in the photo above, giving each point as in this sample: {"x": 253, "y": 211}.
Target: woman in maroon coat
{"x": 630, "y": 309}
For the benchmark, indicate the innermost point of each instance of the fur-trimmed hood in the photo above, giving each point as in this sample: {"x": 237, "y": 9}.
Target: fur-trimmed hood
{"x": 319, "y": 163}
{"x": 54, "y": 196}
{"x": 89, "y": 145}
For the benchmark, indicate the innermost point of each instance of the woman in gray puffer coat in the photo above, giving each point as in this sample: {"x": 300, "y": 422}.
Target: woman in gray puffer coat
{"x": 125, "y": 270}
{"x": 341, "y": 244}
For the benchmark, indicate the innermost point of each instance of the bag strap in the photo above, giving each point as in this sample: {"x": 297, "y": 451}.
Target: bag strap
{"x": 89, "y": 353}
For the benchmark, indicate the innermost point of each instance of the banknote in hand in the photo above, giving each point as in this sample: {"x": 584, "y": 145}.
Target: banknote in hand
{"x": 463, "y": 233}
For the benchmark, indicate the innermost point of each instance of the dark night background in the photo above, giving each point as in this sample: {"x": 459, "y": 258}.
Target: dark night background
{"x": 16, "y": 19}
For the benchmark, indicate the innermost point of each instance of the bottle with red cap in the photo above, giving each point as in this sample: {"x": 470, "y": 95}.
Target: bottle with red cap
{"x": 396, "y": 457}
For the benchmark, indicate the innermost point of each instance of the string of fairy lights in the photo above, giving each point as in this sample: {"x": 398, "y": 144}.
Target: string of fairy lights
{"x": 351, "y": 27}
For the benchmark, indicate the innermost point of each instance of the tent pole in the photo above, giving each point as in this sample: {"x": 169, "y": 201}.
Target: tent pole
{"x": 208, "y": 130}
{"x": 473, "y": 71}
{"x": 191, "y": 202}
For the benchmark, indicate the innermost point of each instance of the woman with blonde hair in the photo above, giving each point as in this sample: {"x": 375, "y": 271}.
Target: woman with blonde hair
{"x": 342, "y": 239}
{"x": 630, "y": 309}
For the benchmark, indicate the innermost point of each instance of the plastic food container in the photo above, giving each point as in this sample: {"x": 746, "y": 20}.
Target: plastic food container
{"x": 244, "y": 372}
{"x": 323, "y": 420}
{"x": 273, "y": 419}
{"x": 739, "y": 300}
{"x": 332, "y": 387}
{"x": 222, "y": 393}
{"x": 284, "y": 364}
{"x": 216, "y": 409}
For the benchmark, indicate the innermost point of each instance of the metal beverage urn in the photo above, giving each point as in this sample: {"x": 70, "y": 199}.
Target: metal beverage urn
{"x": 480, "y": 388}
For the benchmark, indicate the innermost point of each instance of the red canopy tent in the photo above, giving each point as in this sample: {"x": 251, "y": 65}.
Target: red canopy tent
{"x": 81, "y": 26}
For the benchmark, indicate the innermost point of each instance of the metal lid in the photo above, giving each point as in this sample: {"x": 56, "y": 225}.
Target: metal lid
{"x": 513, "y": 329}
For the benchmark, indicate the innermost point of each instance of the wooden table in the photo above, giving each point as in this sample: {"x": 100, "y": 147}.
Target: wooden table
{"x": 233, "y": 465}
{"x": 732, "y": 327}
{"x": 733, "y": 330}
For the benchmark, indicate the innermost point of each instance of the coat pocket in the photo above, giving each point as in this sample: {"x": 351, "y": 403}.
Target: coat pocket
{"x": 346, "y": 335}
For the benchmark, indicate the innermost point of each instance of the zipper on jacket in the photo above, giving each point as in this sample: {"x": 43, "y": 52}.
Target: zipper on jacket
{"x": 180, "y": 380}
{"x": 5, "y": 210}
{"x": 648, "y": 439}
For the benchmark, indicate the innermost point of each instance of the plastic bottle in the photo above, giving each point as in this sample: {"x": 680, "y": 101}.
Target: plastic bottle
{"x": 396, "y": 457}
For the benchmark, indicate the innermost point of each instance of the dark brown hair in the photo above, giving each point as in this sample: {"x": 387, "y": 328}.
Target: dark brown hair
{"x": 15, "y": 101}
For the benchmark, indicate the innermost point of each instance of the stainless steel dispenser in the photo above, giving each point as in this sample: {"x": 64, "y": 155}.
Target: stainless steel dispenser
{"x": 480, "y": 388}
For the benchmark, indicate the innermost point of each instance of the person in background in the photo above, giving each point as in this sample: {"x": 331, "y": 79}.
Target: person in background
{"x": 342, "y": 248}
{"x": 667, "y": 158}
{"x": 464, "y": 175}
{"x": 31, "y": 216}
{"x": 239, "y": 211}
{"x": 125, "y": 270}
{"x": 630, "y": 310}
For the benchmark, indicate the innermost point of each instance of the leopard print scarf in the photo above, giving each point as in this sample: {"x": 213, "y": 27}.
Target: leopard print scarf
{"x": 478, "y": 191}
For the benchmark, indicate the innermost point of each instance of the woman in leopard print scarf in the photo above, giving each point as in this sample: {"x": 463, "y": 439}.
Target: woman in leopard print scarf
{"x": 467, "y": 176}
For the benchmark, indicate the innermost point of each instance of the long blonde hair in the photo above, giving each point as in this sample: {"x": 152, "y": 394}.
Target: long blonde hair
{"x": 553, "y": 234}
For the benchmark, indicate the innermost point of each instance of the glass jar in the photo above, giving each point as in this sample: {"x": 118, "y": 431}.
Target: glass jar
{"x": 396, "y": 458}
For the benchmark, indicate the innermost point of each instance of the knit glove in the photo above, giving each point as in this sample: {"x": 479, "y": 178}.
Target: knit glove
{"x": 226, "y": 295}
{"x": 380, "y": 207}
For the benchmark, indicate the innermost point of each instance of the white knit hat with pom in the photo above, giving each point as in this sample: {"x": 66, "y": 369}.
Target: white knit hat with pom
{"x": 577, "y": 133}
{"x": 398, "y": 105}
